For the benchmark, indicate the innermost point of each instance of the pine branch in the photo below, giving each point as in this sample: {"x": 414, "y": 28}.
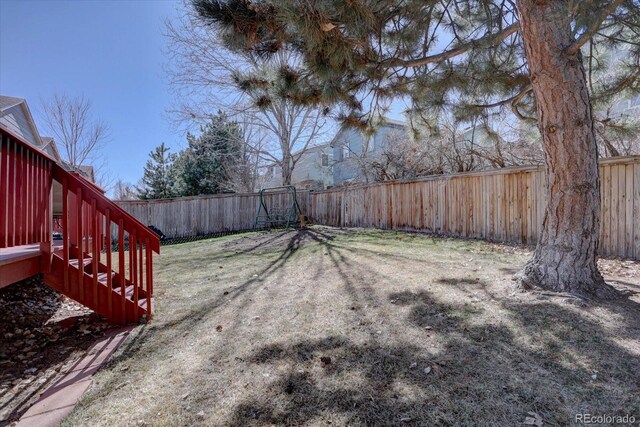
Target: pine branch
{"x": 489, "y": 39}
{"x": 515, "y": 98}
{"x": 590, "y": 32}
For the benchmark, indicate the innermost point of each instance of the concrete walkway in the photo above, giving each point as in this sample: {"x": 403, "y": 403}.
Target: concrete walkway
{"x": 59, "y": 400}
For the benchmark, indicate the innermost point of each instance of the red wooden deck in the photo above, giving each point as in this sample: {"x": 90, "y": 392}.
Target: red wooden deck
{"x": 18, "y": 253}
{"x": 96, "y": 236}
{"x": 21, "y": 262}
{"x": 18, "y": 263}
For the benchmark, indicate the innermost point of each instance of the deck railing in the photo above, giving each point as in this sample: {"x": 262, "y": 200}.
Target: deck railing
{"x": 88, "y": 220}
{"x": 25, "y": 193}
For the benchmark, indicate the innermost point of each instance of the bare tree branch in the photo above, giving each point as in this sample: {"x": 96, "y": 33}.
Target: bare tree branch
{"x": 204, "y": 74}
{"x": 490, "y": 38}
{"x": 79, "y": 135}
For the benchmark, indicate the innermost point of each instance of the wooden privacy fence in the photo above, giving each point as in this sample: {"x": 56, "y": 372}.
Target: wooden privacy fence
{"x": 505, "y": 205}
{"x": 202, "y": 215}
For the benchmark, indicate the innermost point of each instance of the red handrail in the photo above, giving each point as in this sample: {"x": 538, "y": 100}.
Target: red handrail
{"x": 90, "y": 192}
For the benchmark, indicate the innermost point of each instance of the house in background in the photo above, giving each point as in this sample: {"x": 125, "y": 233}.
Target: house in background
{"x": 350, "y": 145}
{"x": 89, "y": 262}
{"x": 49, "y": 146}
{"x": 15, "y": 117}
{"x": 629, "y": 106}
{"x": 311, "y": 172}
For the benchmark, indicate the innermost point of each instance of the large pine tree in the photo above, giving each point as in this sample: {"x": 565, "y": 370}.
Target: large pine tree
{"x": 463, "y": 57}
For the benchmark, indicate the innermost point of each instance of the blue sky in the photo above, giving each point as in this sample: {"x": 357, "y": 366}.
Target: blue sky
{"x": 110, "y": 51}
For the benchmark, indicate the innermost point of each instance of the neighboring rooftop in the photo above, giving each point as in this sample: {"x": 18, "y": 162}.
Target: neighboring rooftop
{"x": 385, "y": 122}
{"x": 16, "y": 118}
{"x": 9, "y": 101}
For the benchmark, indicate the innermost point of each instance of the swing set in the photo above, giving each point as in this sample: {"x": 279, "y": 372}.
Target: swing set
{"x": 275, "y": 215}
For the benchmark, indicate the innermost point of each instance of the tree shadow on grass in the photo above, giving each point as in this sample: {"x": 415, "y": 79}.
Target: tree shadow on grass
{"x": 461, "y": 281}
{"x": 157, "y": 336}
{"x": 538, "y": 356}
{"x": 297, "y": 397}
{"x": 509, "y": 270}
{"x": 543, "y": 357}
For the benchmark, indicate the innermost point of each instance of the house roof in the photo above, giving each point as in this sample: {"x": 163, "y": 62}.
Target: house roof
{"x": 311, "y": 148}
{"x": 85, "y": 170}
{"x": 50, "y": 146}
{"x": 385, "y": 122}
{"x": 88, "y": 171}
{"x": 42, "y": 143}
{"x": 394, "y": 122}
{"x": 7, "y": 102}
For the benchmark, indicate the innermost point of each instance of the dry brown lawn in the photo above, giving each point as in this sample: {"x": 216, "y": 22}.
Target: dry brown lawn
{"x": 362, "y": 327}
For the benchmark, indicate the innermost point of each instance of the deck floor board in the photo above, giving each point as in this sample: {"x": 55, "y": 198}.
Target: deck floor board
{"x": 19, "y": 253}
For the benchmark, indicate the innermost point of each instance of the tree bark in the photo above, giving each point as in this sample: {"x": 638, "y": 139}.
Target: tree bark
{"x": 287, "y": 170}
{"x": 565, "y": 257}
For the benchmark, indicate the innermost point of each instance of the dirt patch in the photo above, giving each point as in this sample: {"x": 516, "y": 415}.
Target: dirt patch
{"x": 42, "y": 334}
{"x": 364, "y": 327}
{"x": 622, "y": 273}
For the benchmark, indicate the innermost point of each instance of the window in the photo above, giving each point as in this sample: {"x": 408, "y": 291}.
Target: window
{"x": 345, "y": 151}
{"x": 370, "y": 144}
{"x": 325, "y": 160}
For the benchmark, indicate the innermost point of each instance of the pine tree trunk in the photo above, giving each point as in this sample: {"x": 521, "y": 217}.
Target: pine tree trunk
{"x": 565, "y": 257}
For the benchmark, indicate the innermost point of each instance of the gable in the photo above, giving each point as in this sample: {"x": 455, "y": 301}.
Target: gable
{"x": 17, "y": 120}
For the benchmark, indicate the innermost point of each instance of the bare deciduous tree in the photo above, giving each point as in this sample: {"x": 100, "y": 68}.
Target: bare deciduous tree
{"x": 452, "y": 147}
{"x": 79, "y": 135}
{"x": 124, "y": 191}
{"x": 206, "y": 76}
{"x": 618, "y": 134}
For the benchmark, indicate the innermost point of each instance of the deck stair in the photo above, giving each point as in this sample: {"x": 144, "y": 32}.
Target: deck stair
{"x": 104, "y": 297}
{"x": 113, "y": 249}
{"x": 104, "y": 259}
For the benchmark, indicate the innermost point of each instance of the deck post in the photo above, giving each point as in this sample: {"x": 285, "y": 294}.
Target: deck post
{"x": 45, "y": 246}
